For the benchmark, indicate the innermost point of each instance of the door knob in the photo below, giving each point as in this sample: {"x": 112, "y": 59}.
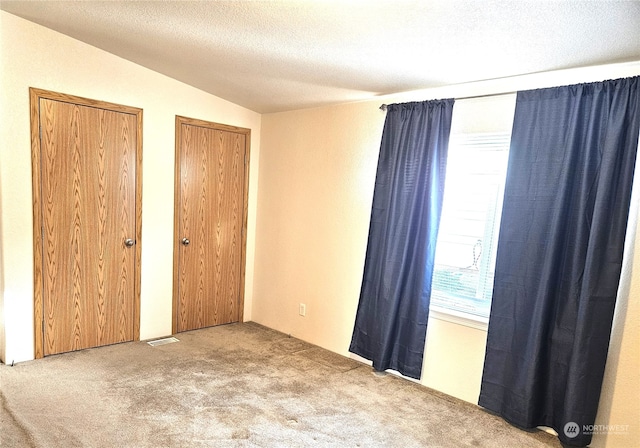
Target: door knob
{"x": 129, "y": 242}
{"x": 185, "y": 241}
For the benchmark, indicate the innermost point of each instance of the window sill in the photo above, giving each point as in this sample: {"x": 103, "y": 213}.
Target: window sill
{"x": 457, "y": 317}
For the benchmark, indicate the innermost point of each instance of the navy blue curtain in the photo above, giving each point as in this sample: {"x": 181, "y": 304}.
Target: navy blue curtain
{"x": 391, "y": 321}
{"x": 566, "y": 205}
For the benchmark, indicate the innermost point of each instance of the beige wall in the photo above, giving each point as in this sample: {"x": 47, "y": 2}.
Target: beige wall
{"x": 34, "y": 56}
{"x": 317, "y": 173}
{"x": 313, "y": 218}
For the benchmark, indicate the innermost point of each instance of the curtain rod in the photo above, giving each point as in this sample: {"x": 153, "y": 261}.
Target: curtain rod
{"x": 384, "y": 106}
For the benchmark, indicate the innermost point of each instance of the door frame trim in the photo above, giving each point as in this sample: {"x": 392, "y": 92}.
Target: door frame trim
{"x": 35, "y": 95}
{"x": 180, "y": 120}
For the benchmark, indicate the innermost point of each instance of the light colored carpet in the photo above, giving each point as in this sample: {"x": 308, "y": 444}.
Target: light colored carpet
{"x": 239, "y": 385}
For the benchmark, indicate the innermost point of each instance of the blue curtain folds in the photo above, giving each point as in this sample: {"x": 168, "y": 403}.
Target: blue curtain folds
{"x": 391, "y": 320}
{"x": 566, "y": 205}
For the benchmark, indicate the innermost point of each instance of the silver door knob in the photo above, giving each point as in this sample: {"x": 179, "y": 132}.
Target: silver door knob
{"x": 129, "y": 242}
{"x": 185, "y": 241}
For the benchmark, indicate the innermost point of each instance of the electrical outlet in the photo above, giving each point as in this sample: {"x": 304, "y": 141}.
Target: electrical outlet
{"x": 303, "y": 309}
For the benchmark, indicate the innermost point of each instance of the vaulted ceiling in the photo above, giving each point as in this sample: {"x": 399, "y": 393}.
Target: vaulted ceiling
{"x": 281, "y": 55}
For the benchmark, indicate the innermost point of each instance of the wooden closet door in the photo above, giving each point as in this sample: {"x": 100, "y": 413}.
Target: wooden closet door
{"x": 88, "y": 169}
{"x": 211, "y": 214}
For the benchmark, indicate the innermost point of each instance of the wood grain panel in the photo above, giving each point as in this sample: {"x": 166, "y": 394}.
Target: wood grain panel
{"x": 211, "y": 213}
{"x": 86, "y": 202}
{"x": 229, "y": 225}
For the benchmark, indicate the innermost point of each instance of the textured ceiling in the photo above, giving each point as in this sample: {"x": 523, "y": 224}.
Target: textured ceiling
{"x": 272, "y": 56}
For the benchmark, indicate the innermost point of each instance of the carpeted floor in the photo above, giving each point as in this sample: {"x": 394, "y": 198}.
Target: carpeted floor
{"x": 239, "y": 385}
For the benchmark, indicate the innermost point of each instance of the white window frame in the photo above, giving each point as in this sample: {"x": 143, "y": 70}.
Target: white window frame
{"x": 457, "y": 316}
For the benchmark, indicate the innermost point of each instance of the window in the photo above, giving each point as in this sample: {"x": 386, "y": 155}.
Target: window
{"x": 467, "y": 238}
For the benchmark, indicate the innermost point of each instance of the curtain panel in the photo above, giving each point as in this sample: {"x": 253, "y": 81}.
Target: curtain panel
{"x": 566, "y": 205}
{"x": 391, "y": 320}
